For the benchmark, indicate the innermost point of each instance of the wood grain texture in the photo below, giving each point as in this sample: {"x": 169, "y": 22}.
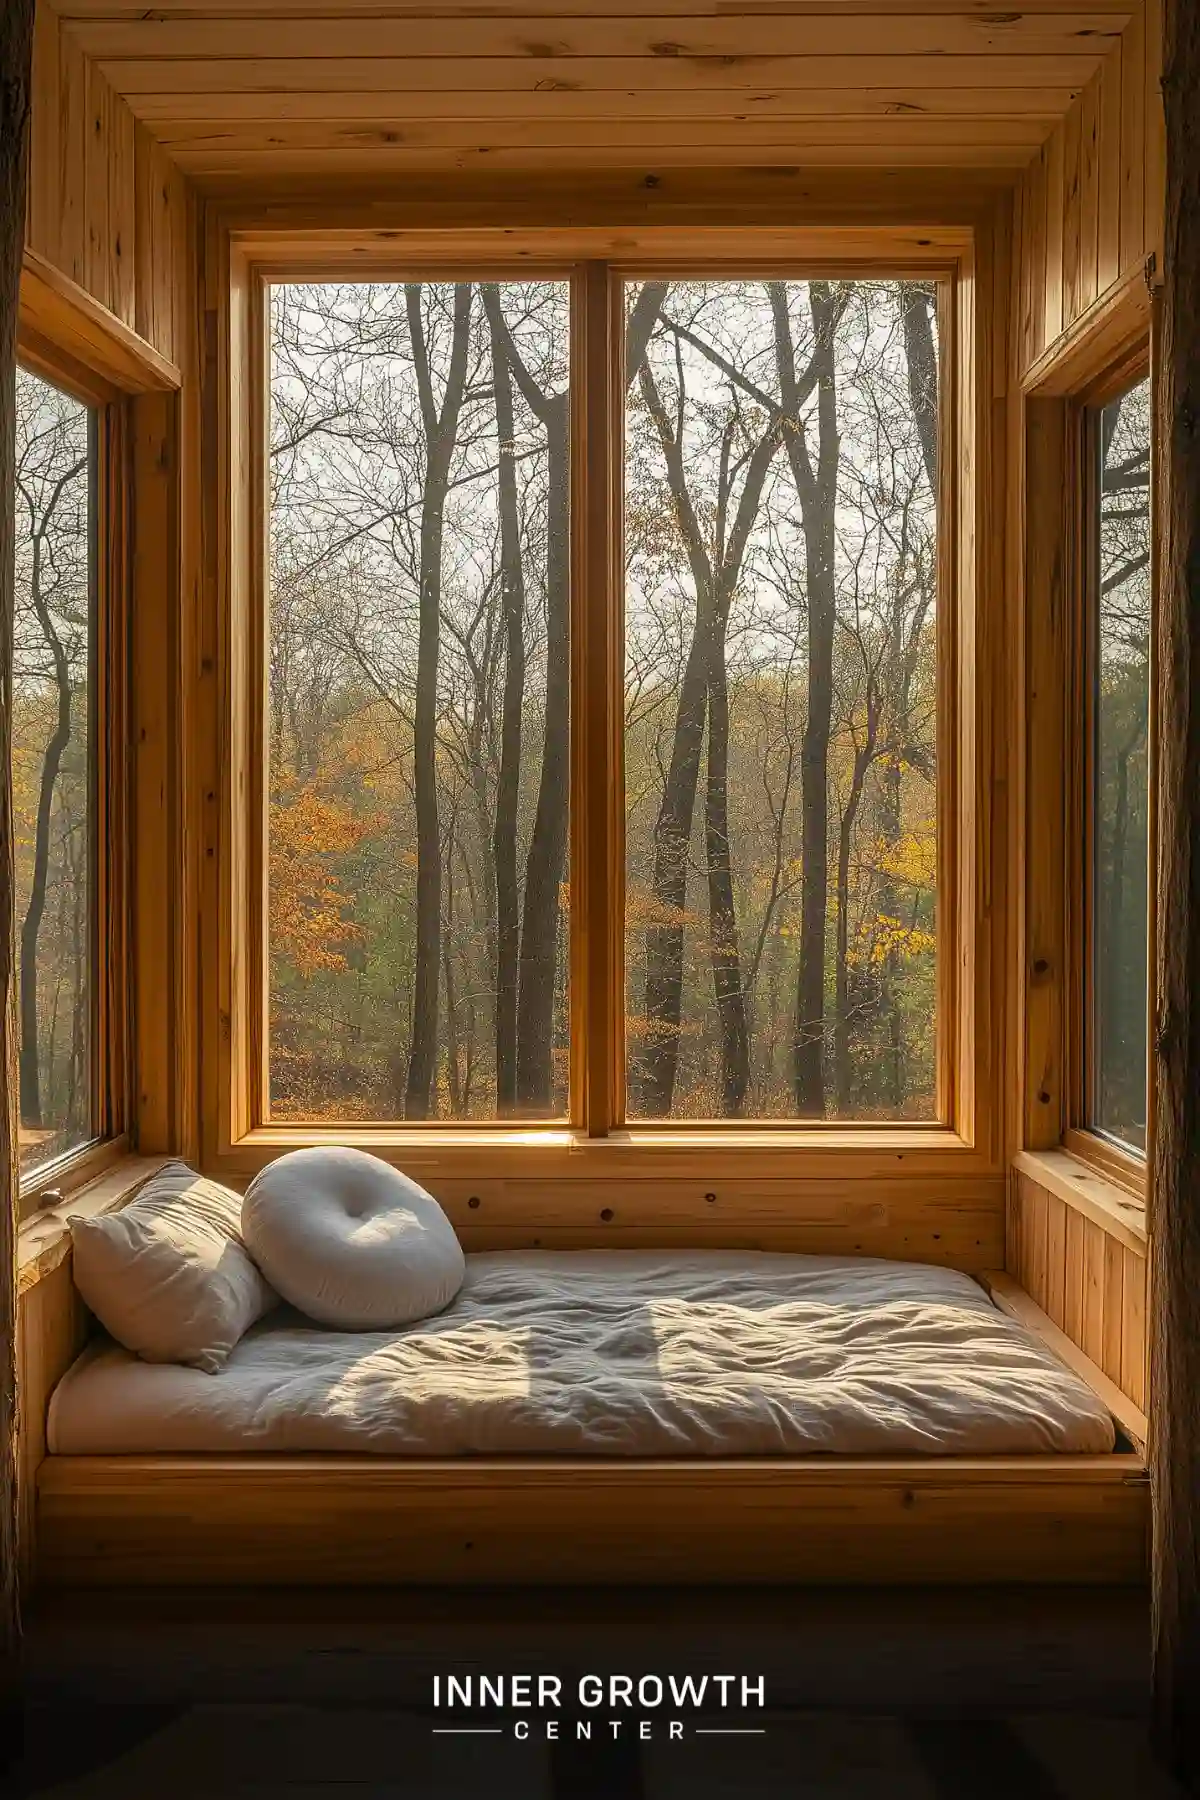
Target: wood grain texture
{"x": 16, "y": 64}
{"x": 1175, "y": 1246}
{"x": 1115, "y": 10}
{"x": 319, "y": 1521}
{"x": 1118, "y": 1213}
{"x": 1086, "y": 1271}
{"x": 1097, "y": 186}
{"x": 51, "y": 1329}
{"x": 1045, "y": 638}
{"x": 1011, "y": 1298}
{"x": 858, "y": 30}
{"x": 61, "y": 312}
{"x": 503, "y": 82}
{"x": 105, "y": 205}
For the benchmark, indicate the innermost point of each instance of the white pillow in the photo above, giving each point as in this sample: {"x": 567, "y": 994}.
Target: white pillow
{"x": 351, "y": 1241}
{"x": 168, "y": 1275}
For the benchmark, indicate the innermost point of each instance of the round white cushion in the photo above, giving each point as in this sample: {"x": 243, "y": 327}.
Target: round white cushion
{"x": 351, "y": 1241}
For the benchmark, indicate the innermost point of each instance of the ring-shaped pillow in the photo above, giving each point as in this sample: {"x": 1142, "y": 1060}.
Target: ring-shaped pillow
{"x": 350, "y": 1241}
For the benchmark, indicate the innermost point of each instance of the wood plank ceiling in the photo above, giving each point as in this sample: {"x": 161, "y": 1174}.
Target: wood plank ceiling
{"x": 296, "y": 88}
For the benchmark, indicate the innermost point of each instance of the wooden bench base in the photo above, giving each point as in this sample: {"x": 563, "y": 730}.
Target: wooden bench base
{"x": 316, "y": 1521}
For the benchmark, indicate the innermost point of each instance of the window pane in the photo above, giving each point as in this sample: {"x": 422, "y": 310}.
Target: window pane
{"x": 1122, "y": 706}
{"x": 418, "y": 700}
{"x": 52, "y": 779}
{"x": 780, "y": 705}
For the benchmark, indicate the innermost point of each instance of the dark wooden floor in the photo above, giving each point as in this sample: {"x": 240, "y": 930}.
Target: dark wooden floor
{"x": 902, "y": 1695}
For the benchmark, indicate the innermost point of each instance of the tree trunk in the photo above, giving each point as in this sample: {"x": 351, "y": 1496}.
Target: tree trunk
{"x": 817, "y": 490}
{"x": 673, "y": 826}
{"x": 441, "y": 433}
{"x": 31, "y": 1100}
{"x": 1175, "y": 1194}
{"x": 16, "y": 57}
{"x": 722, "y": 912}
{"x": 921, "y": 356}
{"x": 512, "y": 589}
{"x": 843, "y": 1068}
{"x": 916, "y": 304}
{"x": 544, "y": 867}
{"x": 548, "y": 840}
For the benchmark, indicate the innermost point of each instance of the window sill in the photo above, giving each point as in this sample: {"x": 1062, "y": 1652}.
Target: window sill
{"x": 827, "y": 1152}
{"x": 1080, "y": 1187}
{"x": 44, "y": 1239}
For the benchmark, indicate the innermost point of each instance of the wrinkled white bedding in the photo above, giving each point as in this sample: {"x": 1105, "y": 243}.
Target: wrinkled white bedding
{"x": 617, "y": 1353}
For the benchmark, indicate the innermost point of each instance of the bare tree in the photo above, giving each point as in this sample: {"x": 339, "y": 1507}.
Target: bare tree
{"x": 440, "y": 424}
{"x": 51, "y": 494}
{"x": 816, "y": 485}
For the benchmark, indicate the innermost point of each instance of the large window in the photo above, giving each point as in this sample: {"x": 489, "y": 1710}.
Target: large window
{"x": 419, "y": 717}
{"x": 52, "y": 772}
{"x": 765, "y": 739}
{"x": 781, "y": 701}
{"x": 1119, "y": 600}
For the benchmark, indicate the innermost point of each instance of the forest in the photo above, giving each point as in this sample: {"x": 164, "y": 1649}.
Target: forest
{"x": 1120, "y": 849}
{"x": 51, "y": 768}
{"x": 780, "y": 710}
{"x": 782, "y": 441}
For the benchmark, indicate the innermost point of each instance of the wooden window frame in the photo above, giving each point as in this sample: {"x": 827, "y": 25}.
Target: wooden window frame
{"x": 1108, "y": 350}
{"x": 107, "y": 714}
{"x": 66, "y": 336}
{"x": 236, "y": 1139}
{"x": 1107, "y": 1155}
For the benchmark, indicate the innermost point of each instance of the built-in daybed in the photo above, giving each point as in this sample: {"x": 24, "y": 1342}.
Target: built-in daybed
{"x": 716, "y": 1416}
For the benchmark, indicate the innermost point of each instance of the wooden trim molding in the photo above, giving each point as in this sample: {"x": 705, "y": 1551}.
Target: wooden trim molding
{"x": 1113, "y": 1208}
{"x": 59, "y": 312}
{"x": 1115, "y": 324}
{"x": 242, "y": 250}
{"x": 1108, "y": 1159}
{"x": 44, "y": 1240}
{"x": 1105, "y": 349}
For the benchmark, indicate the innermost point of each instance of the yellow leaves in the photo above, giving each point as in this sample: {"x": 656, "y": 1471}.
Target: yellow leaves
{"x": 911, "y": 859}
{"x": 308, "y": 905}
{"x": 882, "y": 937}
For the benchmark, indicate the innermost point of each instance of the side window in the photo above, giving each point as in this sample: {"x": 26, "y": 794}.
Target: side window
{"x": 1118, "y": 791}
{"x": 52, "y": 769}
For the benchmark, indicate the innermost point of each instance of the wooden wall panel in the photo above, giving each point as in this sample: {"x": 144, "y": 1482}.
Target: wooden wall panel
{"x": 1087, "y": 216}
{"x": 1092, "y": 1285}
{"x": 1091, "y": 199}
{"x": 106, "y": 207}
{"x": 270, "y": 90}
{"x": 51, "y": 1329}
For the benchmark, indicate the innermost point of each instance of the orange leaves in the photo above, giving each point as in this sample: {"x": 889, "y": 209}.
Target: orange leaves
{"x": 309, "y": 923}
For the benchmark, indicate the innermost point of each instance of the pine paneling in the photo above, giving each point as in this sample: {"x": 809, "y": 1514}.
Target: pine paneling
{"x": 1089, "y": 1283}
{"x": 106, "y": 207}
{"x": 1087, "y": 214}
{"x": 271, "y": 89}
{"x": 51, "y": 1328}
{"x": 1091, "y": 200}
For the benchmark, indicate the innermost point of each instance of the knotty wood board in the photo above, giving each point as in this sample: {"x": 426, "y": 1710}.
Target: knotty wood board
{"x": 1090, "y": 1284}
{"x": 133, "y": 1521}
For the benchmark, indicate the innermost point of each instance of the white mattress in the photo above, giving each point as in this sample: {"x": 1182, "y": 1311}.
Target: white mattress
{"x": 617, "y": 1353}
